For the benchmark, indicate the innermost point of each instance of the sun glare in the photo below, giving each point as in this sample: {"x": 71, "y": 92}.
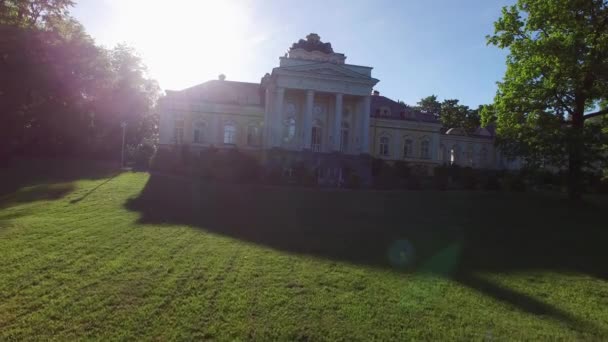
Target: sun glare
{"x": 185, "y": 41}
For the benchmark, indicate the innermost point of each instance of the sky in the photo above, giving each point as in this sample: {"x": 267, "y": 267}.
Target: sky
{"x": 416, "y": 47}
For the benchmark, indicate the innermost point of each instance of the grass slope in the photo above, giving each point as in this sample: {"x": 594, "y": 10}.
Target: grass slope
{"x": 133, "y": 256}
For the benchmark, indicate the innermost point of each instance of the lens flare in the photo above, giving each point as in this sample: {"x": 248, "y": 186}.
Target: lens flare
{"x": 401, "y": 253}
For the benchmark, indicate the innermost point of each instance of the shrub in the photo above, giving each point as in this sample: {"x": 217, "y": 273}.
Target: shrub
{"x": 441, "y": 175}
{"x": 353, "y": 181}
{"x": 469, "y": 178}
{"x": 303, "y": 175}
{"x": 413, "y": 183}
{"x": 490, "y": 181}
{"x": 164, "y": 159}
{"x": 378, "y": 166}
{"x": 514, "y": 182}
{"x": 184, "y": 155}
{"x": 402, "y": 170}
{"x": 142, "y": 155}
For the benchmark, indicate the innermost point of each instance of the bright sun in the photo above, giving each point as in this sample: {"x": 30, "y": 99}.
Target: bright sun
{"x": 185, "y": 41}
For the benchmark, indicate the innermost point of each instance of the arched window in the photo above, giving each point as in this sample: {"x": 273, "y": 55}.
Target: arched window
{"x": 483, "y": 157}
{"x": 253, "y": 135}
{"x": 469, "y": 155}
{"x": 229, "y": 133}
{"x": 289, "y": 130}
{"x": 425, "y": 152}
{"x": 344, "y": 137}
{"x": 384, "y": 146}
{"x": 316, "y": 136}
{"x": 408, "y": 148}
{"x": 198, "y": 132}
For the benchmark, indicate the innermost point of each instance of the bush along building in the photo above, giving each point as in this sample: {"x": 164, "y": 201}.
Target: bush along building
{"x": 315, "y": 113}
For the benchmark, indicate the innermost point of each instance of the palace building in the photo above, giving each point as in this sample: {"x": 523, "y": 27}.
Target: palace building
{"x": 316, "y": 109}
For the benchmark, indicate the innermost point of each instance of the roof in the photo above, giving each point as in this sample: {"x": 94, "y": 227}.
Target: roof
{"x": 383, "y": 107}
{"x": 480, "y": 132}
{"x": 226, "y": 92}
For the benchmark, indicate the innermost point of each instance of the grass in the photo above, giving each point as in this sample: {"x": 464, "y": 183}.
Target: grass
{"x": 91, "y": 254}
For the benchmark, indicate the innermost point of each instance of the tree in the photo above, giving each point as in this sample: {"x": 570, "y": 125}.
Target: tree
{"x": 60, "y": 93}
{"x": 429, "y": 105}
{"x": 454, "y": 114}
{"x": 32, "y": 13}
{"x": 557, "y": 75}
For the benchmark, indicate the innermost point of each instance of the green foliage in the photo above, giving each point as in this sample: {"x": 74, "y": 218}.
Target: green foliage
{"x": 429, "y": 105}
{"x": 63, "y": 95}
{"x": 33, "y": 13}
{"x": 142, "y": 153}
{"x": 557, "y": 72}
{"x": 148, "y": 257}
{"x": 441, "y": 177}
{"x": 455, "y": 115}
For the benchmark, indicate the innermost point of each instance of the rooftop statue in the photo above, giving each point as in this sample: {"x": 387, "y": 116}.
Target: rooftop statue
{"x": 313, "y": 43}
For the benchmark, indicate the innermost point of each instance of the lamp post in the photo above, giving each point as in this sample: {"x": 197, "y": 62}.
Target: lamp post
{"x": 122, "y": 154}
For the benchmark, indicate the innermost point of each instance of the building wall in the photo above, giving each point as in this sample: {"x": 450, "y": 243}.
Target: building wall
{"x": 398, "y": 131}
{"x": 467, "y": 150}
{"x": 476, "y": 152}
{"x": 210, "y": 120}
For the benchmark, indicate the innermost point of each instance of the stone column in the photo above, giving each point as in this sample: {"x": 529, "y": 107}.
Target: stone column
{"x": 365, "y": 110}
{"x": 337, "y": 122}
{"x": 275, "y": 131}
{"x": 307, "y": 122}
{"x": 267, "y": 119}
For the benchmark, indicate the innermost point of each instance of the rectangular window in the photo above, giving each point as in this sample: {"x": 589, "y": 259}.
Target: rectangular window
{"x": 384, "y": 151}
{"x": 178, "y": 133}
{"x": 197, "y": 136}
{"x": 424, "y": 150}
{"x": 407, "y": 148}
{"x": 229, "y": 134}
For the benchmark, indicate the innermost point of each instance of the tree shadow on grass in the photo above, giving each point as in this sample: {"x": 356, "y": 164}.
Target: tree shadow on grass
{"x": 23, "y": 172}
{"x": 41, "y": 192}
{"x": 88, "y": 193}
{"x": 453, "y": 234}
{"x": 29, "y": 180}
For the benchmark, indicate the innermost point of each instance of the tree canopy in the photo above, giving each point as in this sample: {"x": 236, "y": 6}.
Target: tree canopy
{"x": 61, "y": 94}
{"x": 556, "y": 79}
{"x": 450, "y": 113}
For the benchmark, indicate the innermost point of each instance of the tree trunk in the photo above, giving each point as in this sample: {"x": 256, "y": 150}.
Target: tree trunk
{"x": 575, "y": 152}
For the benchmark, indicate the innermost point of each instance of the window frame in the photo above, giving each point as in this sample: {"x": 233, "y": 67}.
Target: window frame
{"x": 198, "y": 132}
{"x": 383, "y": 146}
{"x": 425, "y": 149}
{"x": 410, "y": 151}
{"x": 229, "y": 136}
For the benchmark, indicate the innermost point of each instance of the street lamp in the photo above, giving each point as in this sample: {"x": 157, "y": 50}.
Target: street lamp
{"x": 122, "y": 154}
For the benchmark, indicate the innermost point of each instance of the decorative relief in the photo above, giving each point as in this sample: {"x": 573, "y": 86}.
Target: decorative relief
{"x": 290, "y": 109}
{"x": 317, "y": 110}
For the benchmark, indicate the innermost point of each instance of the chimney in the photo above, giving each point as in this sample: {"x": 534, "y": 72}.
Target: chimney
{"x": 376, "y": 93}
{"x": 222, "y": 77}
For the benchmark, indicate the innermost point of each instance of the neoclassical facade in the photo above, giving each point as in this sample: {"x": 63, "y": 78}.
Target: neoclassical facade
{"x": 314, "y": 108}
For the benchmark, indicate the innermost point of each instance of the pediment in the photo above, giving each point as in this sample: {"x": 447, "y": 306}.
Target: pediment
{"x": 328, "y": 69}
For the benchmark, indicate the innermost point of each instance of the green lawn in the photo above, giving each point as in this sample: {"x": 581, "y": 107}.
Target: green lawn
{"x": 86, "y": 253}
